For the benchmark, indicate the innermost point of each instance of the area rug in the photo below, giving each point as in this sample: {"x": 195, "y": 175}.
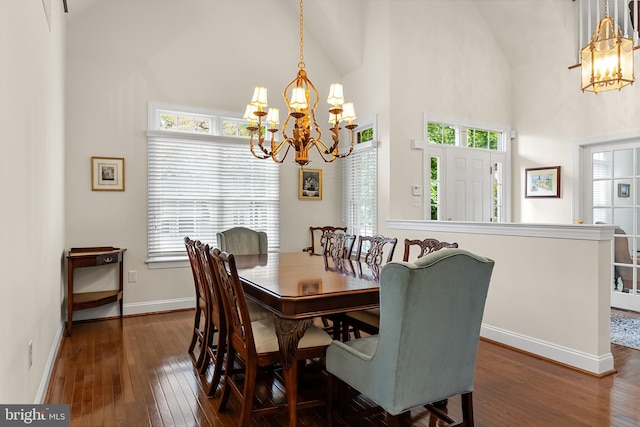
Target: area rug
{"x": 625, "y": 330}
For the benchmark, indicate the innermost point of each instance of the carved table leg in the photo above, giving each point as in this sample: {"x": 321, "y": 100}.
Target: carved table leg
{"x": 289, "y": 333}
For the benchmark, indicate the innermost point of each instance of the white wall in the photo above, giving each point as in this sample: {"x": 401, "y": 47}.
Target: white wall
{"x": 32, "y": 191}
{"x": 551, "y": 113}
{"x": 444, "y": 62}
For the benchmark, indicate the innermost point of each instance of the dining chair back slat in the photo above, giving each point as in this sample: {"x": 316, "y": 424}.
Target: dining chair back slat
{"x": 425, "y": 246}
{"x": 338, "y": 245}
{"x": 318, "y": 238}
{"x": 372, "y": 249}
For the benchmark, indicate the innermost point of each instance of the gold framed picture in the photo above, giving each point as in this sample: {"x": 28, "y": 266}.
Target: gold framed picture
{"x": 107, "y": 174}
{"x": 310, "y": 184}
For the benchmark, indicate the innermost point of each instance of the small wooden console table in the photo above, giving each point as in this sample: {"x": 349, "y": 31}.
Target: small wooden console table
{"x": 92, "y": 257}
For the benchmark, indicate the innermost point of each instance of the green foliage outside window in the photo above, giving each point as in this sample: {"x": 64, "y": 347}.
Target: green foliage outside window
{"x": 434, "y": 188}
{"x": 238, "y": 128}
{"x": 230, "y": 128}
{"x": 439, "y": 133}
{"x": 168, "y": 121}
{"x": 202, "y": 125}
{"x": 364, "y": 135}
{"x": 185, "y": 123}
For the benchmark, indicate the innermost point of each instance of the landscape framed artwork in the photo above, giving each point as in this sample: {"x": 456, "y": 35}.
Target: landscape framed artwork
{"x": 310, "y": 184}
{"x": 107, "y": 173}
{"x": 542, "y": 182}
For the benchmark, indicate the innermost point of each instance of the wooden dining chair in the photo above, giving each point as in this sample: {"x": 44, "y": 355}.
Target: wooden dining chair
{"x": 338, "y": 245}
{"x": 425, "y": 247}
{"x": 318, "y": 238}
{"x": 373, "y": 252}
{"x": 337, "y": 248}
{"x": 372, "y": 249}
{"x": 255, "y": 343}
{"x": 200, "y": 319}
{"x": 215, "y": 330}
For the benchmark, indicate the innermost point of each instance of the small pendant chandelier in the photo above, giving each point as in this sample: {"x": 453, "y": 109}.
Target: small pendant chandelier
{"x": 301, "y": 103}
{"x": 607, "y": 61}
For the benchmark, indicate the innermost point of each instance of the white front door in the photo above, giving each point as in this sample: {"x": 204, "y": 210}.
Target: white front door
{"x": 468, "y": 191}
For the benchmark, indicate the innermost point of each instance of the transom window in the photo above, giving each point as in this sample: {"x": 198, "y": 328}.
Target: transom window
{"x": 185, "y": 122}
{"x": 462, "y": 136}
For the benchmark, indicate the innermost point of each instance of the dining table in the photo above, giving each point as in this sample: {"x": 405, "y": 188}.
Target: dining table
{"x": 299, "y": 287}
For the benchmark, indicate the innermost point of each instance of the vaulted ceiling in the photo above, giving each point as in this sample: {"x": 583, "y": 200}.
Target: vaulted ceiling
{"x": 522, "y": 28}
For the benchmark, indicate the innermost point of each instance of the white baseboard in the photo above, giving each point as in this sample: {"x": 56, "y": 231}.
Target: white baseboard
{"x": 112, "y": 310}
{"x": 597, "y": 364}
{"x": 159, "y": 306}
{"x": 48, "y": 368}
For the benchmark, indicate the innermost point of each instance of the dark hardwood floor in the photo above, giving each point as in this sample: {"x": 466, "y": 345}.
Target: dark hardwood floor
{"x": 136, "y": 372}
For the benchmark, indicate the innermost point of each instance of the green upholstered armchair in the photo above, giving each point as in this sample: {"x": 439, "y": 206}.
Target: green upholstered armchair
{"x": 425, "y": 352}
{"x": 242, "y": 241}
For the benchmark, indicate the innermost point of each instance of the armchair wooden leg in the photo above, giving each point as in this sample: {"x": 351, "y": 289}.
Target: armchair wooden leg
{"x": 467, "y": 410}
{"x": 392, "y": 420}
{"x": 332, "y": 399}
{"x": 398, "y": 420}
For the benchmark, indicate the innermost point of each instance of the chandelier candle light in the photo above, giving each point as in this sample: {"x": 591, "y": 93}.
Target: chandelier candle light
{"x": 607, "y": 61}
{"x": 301, "y": 104}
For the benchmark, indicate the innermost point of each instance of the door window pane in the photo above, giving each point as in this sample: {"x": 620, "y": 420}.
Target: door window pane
{"x": 623, "y": 217}
{"x": 602, "y": 216}
{"x": 601, "y": 165}
{"x": 602, "y": 193}
{"x": 623, "y": 163}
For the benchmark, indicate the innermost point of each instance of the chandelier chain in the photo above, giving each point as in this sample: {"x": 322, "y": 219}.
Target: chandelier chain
{"x": 606, "y": 8}
{"x": 301, "y": 63}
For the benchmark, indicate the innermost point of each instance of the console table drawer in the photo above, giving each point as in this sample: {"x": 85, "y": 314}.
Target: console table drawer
{"x": 111, "y": 258}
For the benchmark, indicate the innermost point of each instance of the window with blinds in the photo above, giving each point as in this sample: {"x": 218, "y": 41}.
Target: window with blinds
{"x": 199, "y": 185}
{"x": 360, "y": 190}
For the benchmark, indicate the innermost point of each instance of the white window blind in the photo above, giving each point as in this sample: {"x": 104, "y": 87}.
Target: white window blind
{"x": 359, "y": 192}
{"x": 198, "y": 186}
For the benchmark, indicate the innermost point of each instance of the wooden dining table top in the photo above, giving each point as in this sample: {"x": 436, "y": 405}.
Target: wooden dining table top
{"x": 298, "y": 285}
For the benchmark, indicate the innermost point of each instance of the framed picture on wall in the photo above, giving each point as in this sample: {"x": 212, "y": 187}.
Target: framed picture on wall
{"x": 107, "y": 173}
{"x": 310, "y": 184}
{"x": 542, "y": 182}
{"x": 624, "y": 190}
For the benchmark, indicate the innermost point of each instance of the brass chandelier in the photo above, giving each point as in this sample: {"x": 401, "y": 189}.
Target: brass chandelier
{"x": 301, "y": 104}
{"x": 607, "y": 61}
